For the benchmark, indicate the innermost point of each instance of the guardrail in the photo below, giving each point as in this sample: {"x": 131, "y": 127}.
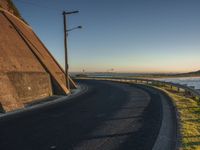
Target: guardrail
{"x": 187, "y": 90}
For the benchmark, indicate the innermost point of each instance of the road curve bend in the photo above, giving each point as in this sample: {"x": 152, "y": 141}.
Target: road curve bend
{"x": 109, "y": 116}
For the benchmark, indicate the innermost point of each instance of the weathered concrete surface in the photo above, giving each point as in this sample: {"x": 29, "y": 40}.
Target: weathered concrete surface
{"x": 18, "y": 88}
{"x": 27, "y": 69}
{"x": 8, "y": 94}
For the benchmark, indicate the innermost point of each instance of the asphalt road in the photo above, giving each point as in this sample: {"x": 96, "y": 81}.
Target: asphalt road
{"x": 109, "y": 116}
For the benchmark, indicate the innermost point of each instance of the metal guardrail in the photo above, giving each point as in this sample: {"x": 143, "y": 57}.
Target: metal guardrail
{"x": 188, "y": 90}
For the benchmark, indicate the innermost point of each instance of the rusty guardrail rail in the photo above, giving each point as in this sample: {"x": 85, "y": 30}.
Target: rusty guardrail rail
{"x": 188, "y": 90}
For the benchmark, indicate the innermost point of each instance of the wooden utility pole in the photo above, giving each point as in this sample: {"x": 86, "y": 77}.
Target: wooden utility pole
{"x": 66, "y": 52}
{"x": 65, "y": 44}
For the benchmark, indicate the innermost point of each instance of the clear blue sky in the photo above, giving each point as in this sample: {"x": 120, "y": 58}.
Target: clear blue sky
{"x": 127, "y": 35}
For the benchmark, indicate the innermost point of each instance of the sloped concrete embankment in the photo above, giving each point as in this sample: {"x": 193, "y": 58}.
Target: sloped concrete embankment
{"x": 18, "y": 88}
{"x": 27, "y": 69}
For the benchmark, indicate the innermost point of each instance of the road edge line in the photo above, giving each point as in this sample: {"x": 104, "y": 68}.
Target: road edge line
{"x": 164, "y": 141}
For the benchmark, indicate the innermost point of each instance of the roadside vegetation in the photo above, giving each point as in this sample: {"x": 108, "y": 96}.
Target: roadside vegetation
{"x": 190, "y": 74}
{"x": 13, "y": 9}
{"x": 11, "y": 6}
{"x": 189, "y": 117}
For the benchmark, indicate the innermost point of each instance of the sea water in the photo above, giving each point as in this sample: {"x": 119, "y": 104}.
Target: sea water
{"x": 189, "y": 81}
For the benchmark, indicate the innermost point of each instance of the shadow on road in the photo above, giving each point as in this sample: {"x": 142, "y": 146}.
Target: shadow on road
{"x": 103, "y": 117}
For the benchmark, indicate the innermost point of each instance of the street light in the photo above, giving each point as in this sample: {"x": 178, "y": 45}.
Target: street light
{"x": 65, "y": 44}
{"x": 78, "y": 27}
{"x": 70, "y": 12}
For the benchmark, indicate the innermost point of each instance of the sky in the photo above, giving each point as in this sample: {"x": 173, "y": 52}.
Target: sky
{"x": 140, "y": 36}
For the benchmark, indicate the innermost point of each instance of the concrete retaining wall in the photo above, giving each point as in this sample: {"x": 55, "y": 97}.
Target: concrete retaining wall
{"x": 28, "y": 71}
{"x": 22, "y": 76}
{"x": 19, "y": 88}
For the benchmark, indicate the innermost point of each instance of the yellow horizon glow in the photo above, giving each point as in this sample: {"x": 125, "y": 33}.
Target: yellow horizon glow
{"x": 137, "y": 70}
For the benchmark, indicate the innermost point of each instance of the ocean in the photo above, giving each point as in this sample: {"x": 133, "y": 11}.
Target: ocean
{"x": 189, "y": 81}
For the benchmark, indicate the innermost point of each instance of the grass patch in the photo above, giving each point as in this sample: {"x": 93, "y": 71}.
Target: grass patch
{"x": 12, "y": 7}
{"x": 189, "y": 111}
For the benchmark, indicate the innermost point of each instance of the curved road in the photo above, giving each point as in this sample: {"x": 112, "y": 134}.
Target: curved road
{"x": 109, "y": 116}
